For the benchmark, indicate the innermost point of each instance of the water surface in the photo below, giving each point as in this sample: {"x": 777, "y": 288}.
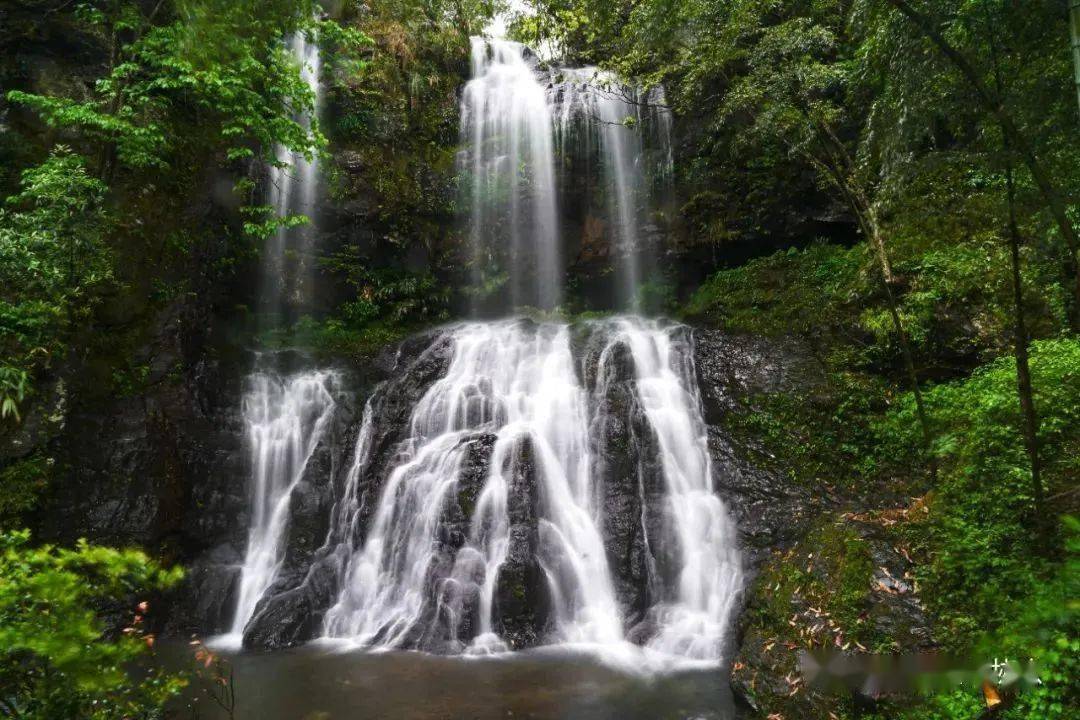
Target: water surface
{"x": 317, "y": 684}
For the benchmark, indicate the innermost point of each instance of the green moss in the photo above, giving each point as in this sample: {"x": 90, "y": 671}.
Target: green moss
{"x": 817, "y": 433}
{"x": 393, "y": 121}
{"x": 130, "y": 381}
{"x": 830, "y": 571}
{"x": 848, "y": 572}
{"x": 796, "y": 291}
{"x": 335, "y": 338}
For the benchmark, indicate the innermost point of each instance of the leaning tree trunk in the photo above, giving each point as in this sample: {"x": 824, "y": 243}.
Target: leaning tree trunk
{"x": 1023, "y": 367}
{"x": 1024, "y": 390}
{"x": 838, "y": 168}
{"x": 905, "y": 343}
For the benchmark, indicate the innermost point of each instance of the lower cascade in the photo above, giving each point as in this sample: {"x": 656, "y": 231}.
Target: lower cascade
{"x": 548, "y": 484}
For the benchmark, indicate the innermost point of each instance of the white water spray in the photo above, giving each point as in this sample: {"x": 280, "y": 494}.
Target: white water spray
{"x": 286, "y": 419}
{"x": 518, "y": 381}
{"x": 692, "y": 619}
{"x": 507, "y": 123}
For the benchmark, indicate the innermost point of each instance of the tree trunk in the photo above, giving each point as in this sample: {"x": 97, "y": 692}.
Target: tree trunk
{"x": 905, "y": 346}
{"x": 1074, "y": 33}
{"x": 838, "y": 169}
{"x": 1025, "y": 393}
{"x": 1023, "y": 369}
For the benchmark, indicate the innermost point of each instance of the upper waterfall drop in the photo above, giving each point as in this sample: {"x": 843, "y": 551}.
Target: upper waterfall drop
{"x": 524, "y": 122}
{"x": 622, "y": 134}
{"x": 593, "y": 99}
{"x": 288, "y": 268}
{"x": 506, "y": 124}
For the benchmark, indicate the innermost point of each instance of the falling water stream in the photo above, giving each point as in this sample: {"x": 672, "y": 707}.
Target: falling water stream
{"x": 285, "y": 415}
{"x": 505, "y": 379}
{"x": 506, "y": 120}
{"x": 287, "y": 275}
{"x": 285, "y": 419}
{"x": 518, "y": 381}
{"x": 692, "y": 618}
{"x": 528, "y": 390}
{"x": 596, "y": 101}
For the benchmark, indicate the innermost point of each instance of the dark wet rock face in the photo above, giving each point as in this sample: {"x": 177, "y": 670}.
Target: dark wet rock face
{"x": 159, "y": 465}
{"x": 627, "y": 461}
{"x": 454, "y": 529}
{"x": 458, "y": 613}
{"x": 207, "y": 597}
{"x": 156, "y": 468}
{"x": 281, "y": 620}
{"x": 520, "y": 595}
{"x": 770, "y": 510}
{"x": 312, "y": 500}
{"x": 291, "y": 612}
{"x": 413, "y": 367}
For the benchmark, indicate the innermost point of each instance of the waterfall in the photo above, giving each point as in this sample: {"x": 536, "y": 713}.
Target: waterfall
{"x": 506, "y": 124}
{"x": 520, "y": 383}
{"x": 515, "y": 484}
{"x": 514, "y": 383}
{"x": 603, "y": 116}
{"x": 522, "y": 391}
{"x": 692, "y": 621}
{"x": 287, "y": 268}
{"x": 595, "y": 99}
{"x": 285, "y": 417}
{"x": 516, "y": 121}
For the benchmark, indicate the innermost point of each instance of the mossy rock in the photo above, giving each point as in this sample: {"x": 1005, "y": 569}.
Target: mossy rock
{"x": 842, "y": 588}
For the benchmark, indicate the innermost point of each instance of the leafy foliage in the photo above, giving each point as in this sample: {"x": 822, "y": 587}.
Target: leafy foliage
{"x": 979, "y": 542}
{"x": 394, "y": 121}
{"x": 57, "y": 658}
{"x": 21, "y": 483}
{"x": 392, "y": 294}
{"x": 51, "y": 259}
{"x": 190, "y": 89}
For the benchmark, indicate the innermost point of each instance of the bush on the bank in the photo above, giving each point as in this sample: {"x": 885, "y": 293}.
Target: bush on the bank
{"x": 59, "y": 657}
